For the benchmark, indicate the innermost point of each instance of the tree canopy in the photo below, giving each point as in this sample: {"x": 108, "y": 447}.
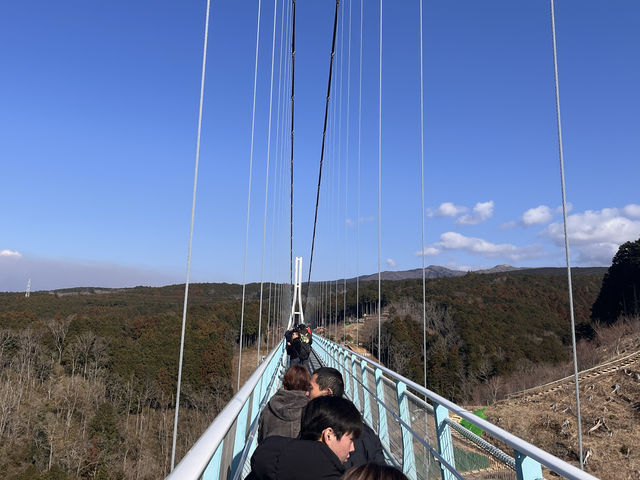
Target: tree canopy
{"x": 620, "y": 292}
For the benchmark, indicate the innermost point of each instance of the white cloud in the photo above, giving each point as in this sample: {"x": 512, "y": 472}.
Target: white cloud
{"x": 508, "y": 225}
{"x": 595, "y": 235}
{"x": 391, "y": 263}
{"x": 428, "y": 251}
{"x": 448, "y": 209}
{"x": 595, "y": 226}
{"x": 558, "y": 209}
{"x": 632, "y": 211}
{"x": 457, "y": 241}
{"x": 9, "y": 253}
{"x": 537, "y": 216}
{"x": 481, "y": 212}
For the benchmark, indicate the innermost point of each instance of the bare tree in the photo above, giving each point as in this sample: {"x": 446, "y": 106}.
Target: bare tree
{"x": 85, "y": 343}
{"x": 59, "y": 328}
{"x": 440, "y": 319}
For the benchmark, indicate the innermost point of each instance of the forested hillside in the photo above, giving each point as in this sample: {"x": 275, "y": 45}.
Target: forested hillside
{"x": 88, "y": 380}
{"x": 479, "y": 326}
{"x": 88, "y": 376}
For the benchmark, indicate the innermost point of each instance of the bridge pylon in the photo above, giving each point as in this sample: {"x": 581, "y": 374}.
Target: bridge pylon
{"x": 296, "y": 305}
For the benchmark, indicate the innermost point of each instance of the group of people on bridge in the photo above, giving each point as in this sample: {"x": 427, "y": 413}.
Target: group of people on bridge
{"x": 308, "y": 430}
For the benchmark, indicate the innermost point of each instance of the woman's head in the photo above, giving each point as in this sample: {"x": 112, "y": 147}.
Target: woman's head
{"x": 296, "y": 378}
{"x": 372, "y": 471}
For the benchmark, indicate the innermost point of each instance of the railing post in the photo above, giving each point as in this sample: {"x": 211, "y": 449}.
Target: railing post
{"x": 526, "y": 467}
{"x": 256, "y": 396}
{"x": 445, "y": 446}
{"x": 383, "y": 431}
{"x": 241, "y": 433}
{"x": 356, "y": 386}
{"x": 408, "y": 457}
{"x": 365, "y": 394}
{"x": 348, "y": 390}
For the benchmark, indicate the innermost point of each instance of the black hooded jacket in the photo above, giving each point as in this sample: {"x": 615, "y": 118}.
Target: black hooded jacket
{"x": 367, "y": 448}
{"x": 281, "y": 458}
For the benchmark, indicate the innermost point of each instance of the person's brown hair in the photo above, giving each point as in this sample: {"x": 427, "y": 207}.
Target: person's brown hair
{"x": 296, "y": 378}
{"x": 372, "y": 471}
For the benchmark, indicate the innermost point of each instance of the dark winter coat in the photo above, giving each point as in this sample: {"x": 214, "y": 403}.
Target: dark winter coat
{"x": 367, "y": 448}
{"x": 282, "y": 414}
{"x": 291, "y": 349}
{"x": 281, "y": 458}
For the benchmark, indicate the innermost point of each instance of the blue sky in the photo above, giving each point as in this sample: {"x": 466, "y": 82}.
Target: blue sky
{"x": 98, "y": 119}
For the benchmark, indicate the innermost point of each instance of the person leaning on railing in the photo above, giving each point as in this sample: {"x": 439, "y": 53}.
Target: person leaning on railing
{"x": 368, "y": 448}
{"x": 282, "y": 414}
{"x": 327, "y": 429}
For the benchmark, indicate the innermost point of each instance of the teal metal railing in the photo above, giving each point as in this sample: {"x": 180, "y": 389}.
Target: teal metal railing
{"x": 421, "y": 433}
{"x": 419, "y": 430}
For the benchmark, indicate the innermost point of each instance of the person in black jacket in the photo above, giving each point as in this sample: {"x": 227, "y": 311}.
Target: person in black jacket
{"x": 292, "y": 338}
{"x": 327, "y": 429}
{"x": 302, "y": 343}
{"x": 368, "y": 448}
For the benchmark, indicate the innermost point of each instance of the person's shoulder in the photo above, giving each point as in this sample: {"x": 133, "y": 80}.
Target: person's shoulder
{"x": 367, "y": 431}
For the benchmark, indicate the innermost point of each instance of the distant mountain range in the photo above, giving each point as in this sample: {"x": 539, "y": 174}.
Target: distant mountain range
{"x": 436, "y": 271}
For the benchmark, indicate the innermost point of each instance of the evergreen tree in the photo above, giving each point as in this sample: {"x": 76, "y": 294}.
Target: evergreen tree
{"x": 620, "y": 292}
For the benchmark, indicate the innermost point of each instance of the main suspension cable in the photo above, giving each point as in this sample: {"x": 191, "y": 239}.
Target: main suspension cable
{"x": 324, "y": 134}
{"x": 293, "y": 74}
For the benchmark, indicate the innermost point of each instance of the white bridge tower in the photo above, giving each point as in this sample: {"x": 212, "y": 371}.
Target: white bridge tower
{"x": 296, "y": 306}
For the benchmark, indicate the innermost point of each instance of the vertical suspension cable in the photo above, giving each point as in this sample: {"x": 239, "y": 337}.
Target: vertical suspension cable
{"x": 193, "y": 212}
{"x": 566, "y": 235}
{"x": 424, "y": 293}
{"x": 246, "y": 238}
{"x": 277, "y": 175}
{"x": 293, "y": 73}
{"x": 324, "y": 135}
{"x": 379, "y": 184}
{"x": 266, "y": 186}
{"x": 358, "y": 200}
{"x": 346, "y": 174}
{"x": 339, "y": 169}
{"x": 424, "y": 289}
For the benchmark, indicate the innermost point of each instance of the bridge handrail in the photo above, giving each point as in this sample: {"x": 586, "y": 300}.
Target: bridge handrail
{"x": 519, "y": 445}
{"x": 198, "y": 458}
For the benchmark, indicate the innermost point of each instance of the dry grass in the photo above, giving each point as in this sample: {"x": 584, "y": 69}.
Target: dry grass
{"x": 610, "y": 412}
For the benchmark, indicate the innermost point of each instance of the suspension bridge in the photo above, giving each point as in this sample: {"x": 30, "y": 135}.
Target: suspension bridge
{"x": 419, "y": 429}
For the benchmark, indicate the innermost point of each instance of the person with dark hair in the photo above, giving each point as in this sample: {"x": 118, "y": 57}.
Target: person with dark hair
{"x": 327, "y": 429}
{"x": 302, "y": 344}
{"x": 292, "y": 338}
{"x": 368, "y": 448}
{"x": 326, "y": 381}
{"x": 373, "y": 471}
{"x": 281, "y": 416}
